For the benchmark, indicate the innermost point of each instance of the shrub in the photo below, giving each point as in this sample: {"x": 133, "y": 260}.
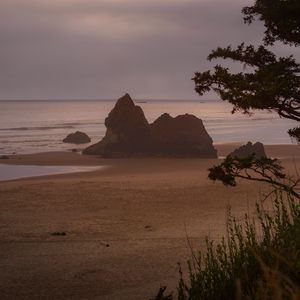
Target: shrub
{"x": 259, "y": 258}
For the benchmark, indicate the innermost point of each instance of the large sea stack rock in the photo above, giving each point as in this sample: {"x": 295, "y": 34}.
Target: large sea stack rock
{"x": 184, "y": 135}
{"x": 129, "y": 134}
{"x": 128, "y": 131}
{"x": 249, "y": 149}
{"x": 77, "y": 138}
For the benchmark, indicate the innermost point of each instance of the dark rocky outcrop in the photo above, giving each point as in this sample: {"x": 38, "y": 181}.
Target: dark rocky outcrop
{"x": 77, "y": 138}
{"x": 129, "y": 134}
{"x": 249, "y": 149}
{"x": 184, "y": 135}
{"x": 128, "y": 131}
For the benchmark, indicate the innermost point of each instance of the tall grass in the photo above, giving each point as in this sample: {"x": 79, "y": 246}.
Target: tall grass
{"x": 258, "y": 259}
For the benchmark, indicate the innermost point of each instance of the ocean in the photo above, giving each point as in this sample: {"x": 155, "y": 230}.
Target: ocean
{"x": 40, "y": 126}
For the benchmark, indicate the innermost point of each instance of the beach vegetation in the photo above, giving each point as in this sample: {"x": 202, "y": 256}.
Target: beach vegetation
{"x": 258, "y": 259}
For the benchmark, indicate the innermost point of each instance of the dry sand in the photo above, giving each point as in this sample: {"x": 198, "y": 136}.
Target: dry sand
{"x": 126, "y": 226}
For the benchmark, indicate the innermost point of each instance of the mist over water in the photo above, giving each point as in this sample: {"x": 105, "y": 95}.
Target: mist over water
{"x": 40, "y": 126}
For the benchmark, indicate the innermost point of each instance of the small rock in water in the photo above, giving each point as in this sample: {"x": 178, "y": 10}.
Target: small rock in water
{"x": 77, "y": 138}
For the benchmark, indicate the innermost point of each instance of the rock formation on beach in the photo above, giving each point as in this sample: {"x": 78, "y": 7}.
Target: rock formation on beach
{"x": 128, "y": 131}
{"x": 129, "y": 134}
{"x": 183, "y": 135}
{"x": 77, "y": 138}
{"x": 249, "y": 149}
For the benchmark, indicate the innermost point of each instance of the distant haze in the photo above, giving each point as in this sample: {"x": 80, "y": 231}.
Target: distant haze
{"x": 90, "y": 49}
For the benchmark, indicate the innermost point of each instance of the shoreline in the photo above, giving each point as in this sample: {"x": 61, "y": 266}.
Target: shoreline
{"x": 122, "y": 166}
{"x": 67, "y": 158}
{"x": 9, "y": 172}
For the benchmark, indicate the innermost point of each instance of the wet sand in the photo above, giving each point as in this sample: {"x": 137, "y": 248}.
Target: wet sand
{"x": 126, "y": 226}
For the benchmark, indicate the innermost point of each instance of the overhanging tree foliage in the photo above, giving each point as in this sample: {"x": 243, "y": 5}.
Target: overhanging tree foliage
{"x": 280, "y": 17}
{"x": 265, "y": 170}
{"x": 272, "y": 83}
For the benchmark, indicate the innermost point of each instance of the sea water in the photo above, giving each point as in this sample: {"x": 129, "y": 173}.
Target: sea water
{"x": 40, "y": 126}
{"x": 9, "y": 172}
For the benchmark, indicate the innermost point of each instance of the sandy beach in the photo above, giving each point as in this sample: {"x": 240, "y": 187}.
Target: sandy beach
{"x": 126, "y": 226}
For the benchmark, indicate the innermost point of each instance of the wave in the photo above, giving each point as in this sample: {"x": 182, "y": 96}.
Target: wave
{"x": 37, "y": 128}
{"x": 50, "y": 127}
{"x": 26, "y": 141}
{"x": 80, "y": 123}
{"x": 235, "y": 119}
{"x": 16, "y": 128}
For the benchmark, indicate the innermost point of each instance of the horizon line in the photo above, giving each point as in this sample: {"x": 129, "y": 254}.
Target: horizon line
{"x": 107, "y": 99}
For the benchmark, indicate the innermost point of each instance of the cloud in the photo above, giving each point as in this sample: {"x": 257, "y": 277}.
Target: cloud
{"x": 102, "y": 48}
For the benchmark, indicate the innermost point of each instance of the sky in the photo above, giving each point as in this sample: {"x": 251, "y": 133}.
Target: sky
{"x": 101, "y": 49}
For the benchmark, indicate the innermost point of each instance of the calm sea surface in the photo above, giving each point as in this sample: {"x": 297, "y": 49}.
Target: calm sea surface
{"x": 38, "y": 126}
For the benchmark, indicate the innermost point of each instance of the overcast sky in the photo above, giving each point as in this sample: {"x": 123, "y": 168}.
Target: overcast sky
{"x": 86, "y": 49}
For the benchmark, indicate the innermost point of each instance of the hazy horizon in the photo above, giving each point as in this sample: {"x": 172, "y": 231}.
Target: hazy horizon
{"x": 115, "y": 99}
